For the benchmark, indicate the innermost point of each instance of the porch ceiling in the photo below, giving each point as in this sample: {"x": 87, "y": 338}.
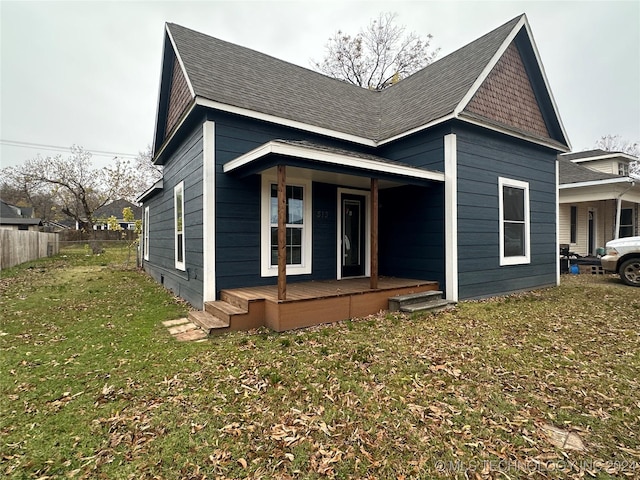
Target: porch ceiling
{"x": 330, "y": 165}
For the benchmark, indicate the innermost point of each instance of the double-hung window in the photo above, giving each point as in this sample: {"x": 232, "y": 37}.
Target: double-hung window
{"x": 298, "y": 227}
{"x": 178, "y": 208}
{"x": 514, "y": 222}
{"x": 145, "y": 234}
{"x": 626, "y": 223}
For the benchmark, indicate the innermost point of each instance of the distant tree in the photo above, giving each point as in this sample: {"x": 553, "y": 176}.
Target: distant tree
{"x": 77, "y": 187}
{"x": 146, "y": 173}
{"x": 615, "y": 143}
{"x": 377, "y": 57}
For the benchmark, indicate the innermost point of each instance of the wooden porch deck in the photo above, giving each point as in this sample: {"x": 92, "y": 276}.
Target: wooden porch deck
{"x": 311, "y": 303}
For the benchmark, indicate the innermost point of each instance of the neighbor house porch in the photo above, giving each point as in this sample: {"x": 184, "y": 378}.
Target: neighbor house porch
{"x": 307, "y": 303}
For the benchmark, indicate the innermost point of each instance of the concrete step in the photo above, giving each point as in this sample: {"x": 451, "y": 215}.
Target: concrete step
{"x": 430, "y": 306}
{"x": 396, "y": 303}
{"x": 207, "y": 322}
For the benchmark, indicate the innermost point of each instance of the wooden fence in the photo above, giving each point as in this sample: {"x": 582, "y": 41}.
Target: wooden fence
{"x": 19, "y": 246}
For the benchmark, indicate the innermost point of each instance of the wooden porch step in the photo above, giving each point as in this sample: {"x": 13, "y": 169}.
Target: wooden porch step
{"x": 223, "y": 310}
{"x": 207, "y": 322}
{"x": 398, "y": 302}
{"x": 430, "y": 306}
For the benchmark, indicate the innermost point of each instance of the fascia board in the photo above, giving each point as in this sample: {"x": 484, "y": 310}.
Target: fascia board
{"x": 487, "y": 69}
{"x": 245, "y": 112}
{"x": 596, "y": 183}
{"x": 511, "y": 133}
{"x": 609, "y": 156}
{"x": 556, "y": 111}
{"x": 331, "y": 159}
{"x": 184, "y": 70}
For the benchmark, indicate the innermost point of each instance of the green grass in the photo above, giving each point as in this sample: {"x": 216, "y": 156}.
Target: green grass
{"x": 93, "y": 386}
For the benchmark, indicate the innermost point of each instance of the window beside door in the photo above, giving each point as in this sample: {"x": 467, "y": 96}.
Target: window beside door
{"x": 298, "y": 227}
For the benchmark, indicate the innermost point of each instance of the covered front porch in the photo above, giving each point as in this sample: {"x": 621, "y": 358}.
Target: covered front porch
{"x": 329, "y": 249}
{"x": 307, "y": 303}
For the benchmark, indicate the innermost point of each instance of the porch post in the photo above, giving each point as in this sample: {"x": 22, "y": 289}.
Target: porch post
{"x": 616, "y": 234}
{"x": 374, "y": 234}
{"x": 282, "y": 232}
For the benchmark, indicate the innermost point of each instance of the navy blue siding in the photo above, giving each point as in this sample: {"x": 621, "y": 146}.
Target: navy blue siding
{"x": 412, "y": 232}
{"x": 185, "y": 165}
{"x": 238, "y": 207}
{"x": 423, "y": 149}
{"x": 482, "y": 158}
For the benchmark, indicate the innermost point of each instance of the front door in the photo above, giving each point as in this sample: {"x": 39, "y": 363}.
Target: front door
{"x": 353, "y": 235}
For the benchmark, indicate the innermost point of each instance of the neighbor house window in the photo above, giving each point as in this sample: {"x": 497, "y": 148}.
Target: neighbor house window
{"x": 514, "y": 222}
{"x": 298, "y": 227}
{"x": 626, "y": 222}
{"x": 574, "y": 224}
{"x": 623, "y": 169}
{"x": 178, "y": 208}
{"x": 145, "y": 234}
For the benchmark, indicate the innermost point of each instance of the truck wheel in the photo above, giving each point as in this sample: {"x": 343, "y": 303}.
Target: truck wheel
{"x": 630, "y": 272}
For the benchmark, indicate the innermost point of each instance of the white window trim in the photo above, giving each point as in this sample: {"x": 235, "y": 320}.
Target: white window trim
{"x": 179, "y": 265}
{"x": 145, "y": 234}
{"x": 266, "y": 269}
{"x": 521, "y": 259}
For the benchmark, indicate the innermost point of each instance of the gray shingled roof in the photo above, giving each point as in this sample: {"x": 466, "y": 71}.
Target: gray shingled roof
{"x": 587, "y": 154}
{"x": 574, "y": 173}
{"x": 115, "y": 209}
{"x": 240, "y": 77}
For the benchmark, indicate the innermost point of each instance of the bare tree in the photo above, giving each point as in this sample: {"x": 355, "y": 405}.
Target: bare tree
{"x": 78, "y": 188}
{"x": 378, "y": 56}
{"x": 615, "y": 143}
{"x": 146, "y": 173}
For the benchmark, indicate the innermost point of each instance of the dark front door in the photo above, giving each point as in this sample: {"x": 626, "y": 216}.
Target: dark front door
{"x": 353, "y": 235}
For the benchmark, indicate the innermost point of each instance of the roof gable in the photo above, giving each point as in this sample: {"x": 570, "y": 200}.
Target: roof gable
{"x": 235, "y": 79}
{"x": 507, "y": 97}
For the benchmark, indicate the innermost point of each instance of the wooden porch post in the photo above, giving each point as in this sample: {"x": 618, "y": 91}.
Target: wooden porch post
{"x": 282, "y": 232}
{"x": 374, "y": 234}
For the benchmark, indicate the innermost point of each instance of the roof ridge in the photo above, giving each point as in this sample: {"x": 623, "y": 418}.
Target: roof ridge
{"x": 246, "y": 80}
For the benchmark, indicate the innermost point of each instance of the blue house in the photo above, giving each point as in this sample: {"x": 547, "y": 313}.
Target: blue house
{"x": 280, "y": 182}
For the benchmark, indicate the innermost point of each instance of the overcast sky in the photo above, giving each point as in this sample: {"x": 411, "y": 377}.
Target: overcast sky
{"x": 87, "y": 73}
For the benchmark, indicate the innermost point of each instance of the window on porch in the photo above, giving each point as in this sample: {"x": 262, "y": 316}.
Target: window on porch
{"x": 295, "y": 224}
{"x": 298, "y": 225}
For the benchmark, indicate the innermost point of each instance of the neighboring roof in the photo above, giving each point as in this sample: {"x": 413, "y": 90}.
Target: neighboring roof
{"x": 312, "y": 152}
{"x": 115, "y": 209}
{"x": 571, "y": 173}
{"x": 597, "y": 154}
{"x": 19, "y": 221}
{"x": 9, "y": 211}
{"x": 14, "y": 215}
{"x": 232, "y": 78}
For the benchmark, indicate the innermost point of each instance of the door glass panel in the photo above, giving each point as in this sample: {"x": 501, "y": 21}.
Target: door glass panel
{"x": 352, "y": 219}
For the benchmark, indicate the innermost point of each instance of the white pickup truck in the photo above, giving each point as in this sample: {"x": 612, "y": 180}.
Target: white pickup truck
{"x": 623, "y": 258}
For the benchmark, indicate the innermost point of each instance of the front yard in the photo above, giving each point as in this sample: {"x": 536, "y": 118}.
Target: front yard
{"x": 541, "y": 385}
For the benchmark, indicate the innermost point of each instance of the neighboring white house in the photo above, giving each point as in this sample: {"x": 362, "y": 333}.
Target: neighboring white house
{"x": 598, "y": 199}
{"x": 115, "y": 209}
